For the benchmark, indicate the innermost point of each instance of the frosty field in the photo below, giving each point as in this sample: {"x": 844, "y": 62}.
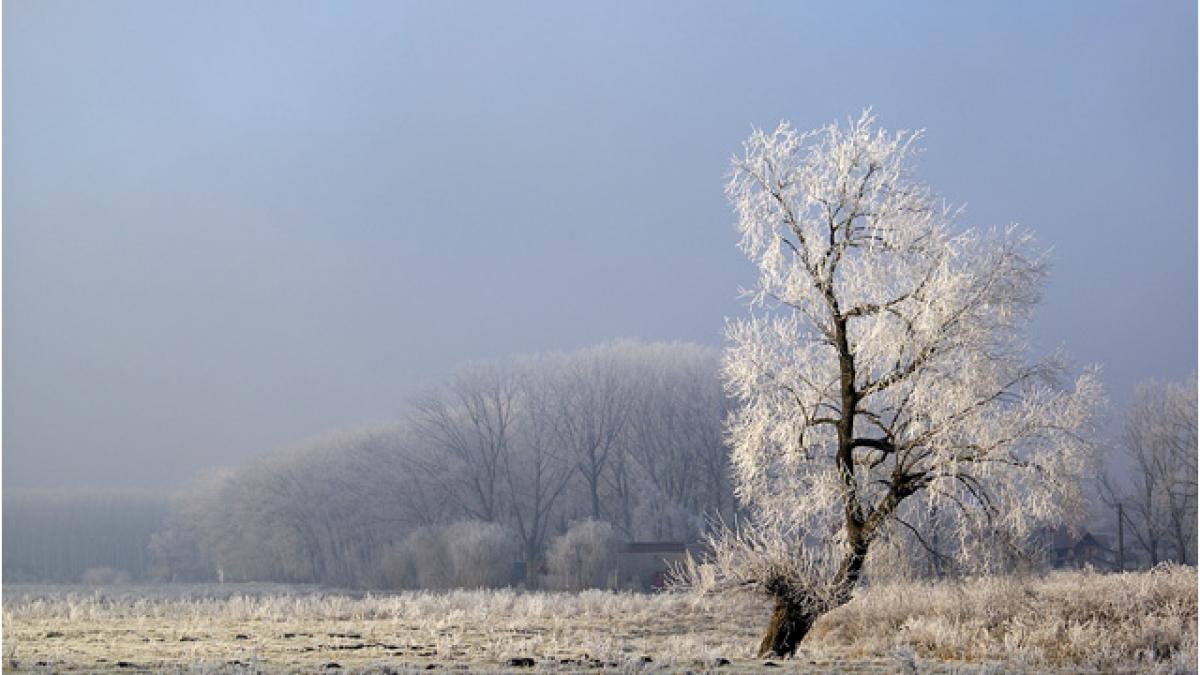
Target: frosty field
{"x": 1066, "y": 622}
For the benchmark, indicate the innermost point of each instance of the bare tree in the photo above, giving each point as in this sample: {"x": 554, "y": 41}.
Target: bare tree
{"x": 400, "y": 496}
{"x": 591, "y": 388}
{"x": 467, "y": 425}
{"x": 325, "y": 511}
{"x": 676, "y": 429}
{"x": 882, "y": 371}
{"x": 1159, "y": 497}
{"x": 537, "y": 471}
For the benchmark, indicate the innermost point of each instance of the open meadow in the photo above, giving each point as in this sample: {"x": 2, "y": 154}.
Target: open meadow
{"x": 405, "y": 336}
{"x": 1065, "y": 622}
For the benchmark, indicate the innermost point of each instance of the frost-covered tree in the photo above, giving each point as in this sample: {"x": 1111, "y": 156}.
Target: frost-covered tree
{"x": 676, "y": 439}
{"x": 882, "y": 371}
{"x": 1159, "y": 444}
{"x": 537, "y": 471}
{"x": 469, "y": 425}
{"x": 592, "y": 388}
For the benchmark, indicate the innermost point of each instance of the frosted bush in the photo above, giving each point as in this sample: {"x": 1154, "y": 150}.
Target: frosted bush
{"x": 584, "y": 556}
{"x": 103, "y": 576}
{"x": 468, "y": 554}
{"x": 480, "y": 554}
{"x": 421, "y": 560}
{"x": 396, "y": 569}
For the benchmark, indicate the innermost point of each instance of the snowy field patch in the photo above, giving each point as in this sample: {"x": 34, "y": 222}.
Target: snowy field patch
{"x": 1066, "y": 622}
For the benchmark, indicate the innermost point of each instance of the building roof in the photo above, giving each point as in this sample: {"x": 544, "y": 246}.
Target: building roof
{"x": 654, "y": 547}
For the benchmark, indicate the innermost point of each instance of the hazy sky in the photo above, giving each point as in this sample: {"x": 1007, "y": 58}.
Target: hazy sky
{"x": 229, "y": 226}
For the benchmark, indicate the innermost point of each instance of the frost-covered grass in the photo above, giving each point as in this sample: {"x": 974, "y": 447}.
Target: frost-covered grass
{"x": 1071, "y": 622}
{"x": 1137, "y": 621}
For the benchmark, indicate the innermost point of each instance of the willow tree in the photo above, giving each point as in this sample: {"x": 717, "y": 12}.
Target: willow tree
{"x": 881, "y": 376}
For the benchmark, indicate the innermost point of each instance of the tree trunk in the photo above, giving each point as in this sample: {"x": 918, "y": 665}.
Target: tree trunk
{"x": 790, "y": 621}
{"x": 531, "y": 573}
{"x": 789, "y": 624}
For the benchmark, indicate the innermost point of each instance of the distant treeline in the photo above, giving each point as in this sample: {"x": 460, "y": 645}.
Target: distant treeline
{"x": 487, "y": 469}
{"x": 531, "y": 469}
{"x": 70, "y": 537}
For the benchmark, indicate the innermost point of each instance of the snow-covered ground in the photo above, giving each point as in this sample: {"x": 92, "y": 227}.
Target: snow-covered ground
{"x": 1071, "y": 622}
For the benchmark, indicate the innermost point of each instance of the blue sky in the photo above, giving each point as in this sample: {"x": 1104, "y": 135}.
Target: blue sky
{"x": 230, "y": 226}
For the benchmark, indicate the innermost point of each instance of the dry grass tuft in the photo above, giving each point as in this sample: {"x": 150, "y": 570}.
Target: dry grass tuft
{"x": 1136, "y": 620}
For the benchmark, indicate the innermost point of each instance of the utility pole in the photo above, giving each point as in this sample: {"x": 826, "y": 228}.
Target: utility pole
{"x": 1120, "y": 537}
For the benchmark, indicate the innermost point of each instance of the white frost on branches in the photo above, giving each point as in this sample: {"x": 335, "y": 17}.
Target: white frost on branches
{"x": 882, "y": 373}
{"x": 1160, "y": 494}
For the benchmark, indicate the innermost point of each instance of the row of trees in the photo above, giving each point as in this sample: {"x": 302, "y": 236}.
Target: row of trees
{"x": 626, "y": 433}
{"x": 73, "y": 536}
{"x": 374, "y": 508}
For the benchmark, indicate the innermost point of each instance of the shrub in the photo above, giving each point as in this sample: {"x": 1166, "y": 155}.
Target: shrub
{"x": 103, "y": 576}
{"x": 480, "y": 554}
{"x": 423, "y": 556}
{"x": 468, "y": 554}
{"x": 584, "y": 556}
{"x": 396, "y": 569}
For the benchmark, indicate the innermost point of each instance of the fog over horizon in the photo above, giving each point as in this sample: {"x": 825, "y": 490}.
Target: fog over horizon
{"x": 230, "y": 228}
